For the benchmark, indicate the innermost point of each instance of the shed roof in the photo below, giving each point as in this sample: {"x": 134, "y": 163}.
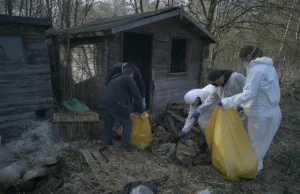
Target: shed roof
{"x": 6, "y": 19}
{"x": 122, "y": 23}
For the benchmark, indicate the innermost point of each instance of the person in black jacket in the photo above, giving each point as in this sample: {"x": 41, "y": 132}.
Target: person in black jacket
{"x": 119, "y": 68}
{"x": 115, "y": 104}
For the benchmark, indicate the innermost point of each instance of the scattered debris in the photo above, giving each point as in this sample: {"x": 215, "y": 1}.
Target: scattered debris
{"x": 29, "y": 161}
{"x": 170, "y": 125}
{"x": 140, "y": 188}
{"x": 164, "y": 150}
{"x": 74, "y": 105}
{"x": 203, "y": 192}
{"x": 24, "y": 175}
{"x": 186, "y": 151}
{"x": 118, "y": 167}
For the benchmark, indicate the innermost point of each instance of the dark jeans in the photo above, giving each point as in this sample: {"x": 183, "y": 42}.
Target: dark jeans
{"x": 109, "y": 120}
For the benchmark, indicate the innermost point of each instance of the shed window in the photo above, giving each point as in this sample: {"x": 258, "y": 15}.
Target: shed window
{"x": 11, "y": 49}
{"x": 178, "y": 55}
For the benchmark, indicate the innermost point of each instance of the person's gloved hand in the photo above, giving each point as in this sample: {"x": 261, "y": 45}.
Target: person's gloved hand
{"x": 220, "y": 103}
{"x": 144, "y": 104}
{"x": 239, "y": 108}
{"x": 182, "y": 135}
{"x": 195, "y": 115}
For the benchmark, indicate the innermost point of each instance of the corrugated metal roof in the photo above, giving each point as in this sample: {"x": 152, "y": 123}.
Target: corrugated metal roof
{"x": 108, "y": 25}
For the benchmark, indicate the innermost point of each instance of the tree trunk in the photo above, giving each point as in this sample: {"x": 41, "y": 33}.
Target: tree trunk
{"x": 136, "y": 6}
{"x": 142, "y": 6}
{"x": 286, "y": 31}
{"x": 49, "y": 9}
{"x": 62, "y": 18}
{"x": 21, "y": 7}
{"x": 68, "y": 12}
{"x": 75, "y": 13}
{"x": 157, "y": 3}
{"x": 9, "y": 7}
{"x": 30, "y": 8}
{"x": 26, "y": 8}
{"x": 209, "y": 23}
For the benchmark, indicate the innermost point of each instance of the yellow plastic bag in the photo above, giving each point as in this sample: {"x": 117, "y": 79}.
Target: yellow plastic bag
{"x": 232, "y": 152}
{"x": 141, "y": 135}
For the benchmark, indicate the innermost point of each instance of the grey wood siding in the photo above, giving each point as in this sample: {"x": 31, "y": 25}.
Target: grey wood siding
{"x": 168, "y": 88}
{"x": 172, "y": 88}
{"x": 25, "y": 87}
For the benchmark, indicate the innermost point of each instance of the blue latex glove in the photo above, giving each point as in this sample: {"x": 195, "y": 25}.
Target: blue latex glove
{"x": 182, "y": 135}
{"x": 144, "y": 104}
{"x": 195, "y": 115}
{"x": 220, "y": 103}
{"x": 239, "y": 108}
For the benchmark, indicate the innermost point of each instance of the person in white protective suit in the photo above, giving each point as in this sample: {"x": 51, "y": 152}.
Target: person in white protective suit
{"x": 194, "y": 98}
{"x": 259, "y": 99}
{"x": 227, "y": 83}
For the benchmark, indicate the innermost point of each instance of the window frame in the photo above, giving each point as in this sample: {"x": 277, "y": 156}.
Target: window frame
{"x": 186, "y": 73}
{"x": 22, "y": 46}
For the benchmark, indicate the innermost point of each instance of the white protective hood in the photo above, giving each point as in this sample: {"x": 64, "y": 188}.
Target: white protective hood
{"x": 189, "y": 98}
{"x": 203, "y": 93}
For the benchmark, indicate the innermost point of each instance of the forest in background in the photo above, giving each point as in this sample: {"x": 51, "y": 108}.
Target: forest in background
{"x": 272, "y": 25}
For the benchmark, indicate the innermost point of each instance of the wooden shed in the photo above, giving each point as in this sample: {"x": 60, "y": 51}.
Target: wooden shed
{"x": 166, "y": 45}
{"x": 25, "y": 77}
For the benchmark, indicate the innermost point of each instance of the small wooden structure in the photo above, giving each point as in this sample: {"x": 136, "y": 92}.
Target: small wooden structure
{"x": 76, "y": 126}
{"x": 25, "y": 76}
{"x": 166, "y": 45}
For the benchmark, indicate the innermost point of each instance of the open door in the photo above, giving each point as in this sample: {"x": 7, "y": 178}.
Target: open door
{"x": 137, "y": 48}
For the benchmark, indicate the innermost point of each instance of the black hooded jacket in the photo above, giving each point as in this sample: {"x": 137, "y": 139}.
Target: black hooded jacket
{"x": 117, "y": 96}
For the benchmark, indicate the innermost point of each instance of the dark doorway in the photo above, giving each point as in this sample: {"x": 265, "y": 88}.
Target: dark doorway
{"x": 137, "y": 48}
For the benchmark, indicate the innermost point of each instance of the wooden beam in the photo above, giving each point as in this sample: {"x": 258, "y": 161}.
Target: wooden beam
{"x": 145, "y": 21}
{"x": 91, "y": 161}
{"x": 16, "y": 117}
{"x": 26, "y": 72}
{"x": 25, "y": 84}
{"x": 8, "y": 98}
{"x": 26, "y": 108}
{"x": 27, "y": 90}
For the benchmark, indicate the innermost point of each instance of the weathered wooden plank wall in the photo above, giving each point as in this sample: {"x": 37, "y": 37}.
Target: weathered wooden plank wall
{"x": 167, "y": 88}
{"x": 25, "y": 87}
{"x": 172, "y": 88}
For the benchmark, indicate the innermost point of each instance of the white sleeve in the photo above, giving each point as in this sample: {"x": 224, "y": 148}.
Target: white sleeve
{"x": 249, "y": 92}
{"x": 211, "y": 99}
{"x": 189, "y": 122}
{"x": 240, "y": 81}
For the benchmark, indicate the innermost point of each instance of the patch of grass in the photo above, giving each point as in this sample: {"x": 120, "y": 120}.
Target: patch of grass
{"x": 8, "y": 134}
{"x": 35, "y": 137}
{"x": 290, "y": 159}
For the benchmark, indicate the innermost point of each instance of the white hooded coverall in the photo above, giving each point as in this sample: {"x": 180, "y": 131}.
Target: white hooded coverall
{"x": 233, "y": 86}
{"x": 260, "y": 99}
{"x": 190, "y": 98}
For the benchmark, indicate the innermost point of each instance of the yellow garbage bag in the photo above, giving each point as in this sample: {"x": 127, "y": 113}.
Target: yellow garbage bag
{"x": 232, "y": 152}
{"x": 141, "y": 135}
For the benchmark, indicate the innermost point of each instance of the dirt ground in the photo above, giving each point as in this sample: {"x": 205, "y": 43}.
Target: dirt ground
{"x": 281, "y": 165}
